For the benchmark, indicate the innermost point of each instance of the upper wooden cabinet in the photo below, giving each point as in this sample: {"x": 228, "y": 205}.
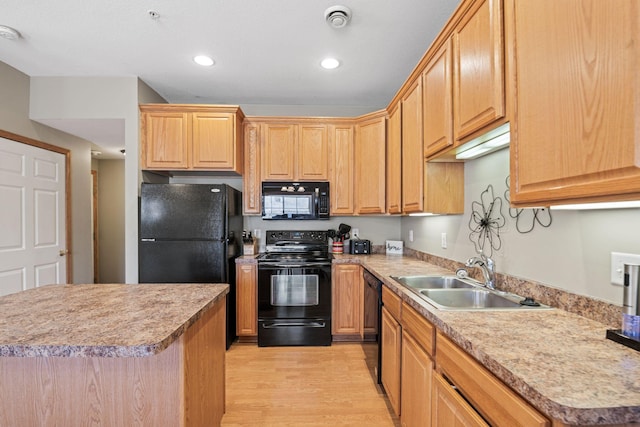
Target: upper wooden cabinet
{"x": 295, "y": 152}
{"x": 278, "y": 152}
{"x": 574, "y": 133}
{"x": 394, "y": 160}
{"x": 370, "y": 173}
{"x": 478, "y": 68}
{"x": 412, "y": 151}
{"x": 438, "y": 99}
{"x": 191, "y": 137}
{"x": 251, "y": 182}
{"x": 341, "y": 169}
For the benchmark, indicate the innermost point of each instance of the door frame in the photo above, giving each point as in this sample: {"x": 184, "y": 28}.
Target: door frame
{"x": 67, "y": 196}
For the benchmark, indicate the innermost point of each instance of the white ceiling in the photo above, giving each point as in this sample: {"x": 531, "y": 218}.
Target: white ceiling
{"x": 267, "y": 52}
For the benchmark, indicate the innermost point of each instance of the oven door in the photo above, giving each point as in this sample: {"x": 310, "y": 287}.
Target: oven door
{"x": 292, "y": 291}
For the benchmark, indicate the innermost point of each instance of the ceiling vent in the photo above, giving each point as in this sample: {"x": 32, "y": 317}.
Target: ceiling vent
{"x": 337, "y": 16}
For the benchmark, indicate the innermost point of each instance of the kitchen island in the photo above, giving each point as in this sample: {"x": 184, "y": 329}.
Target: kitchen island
{"x": 113, "y": 354}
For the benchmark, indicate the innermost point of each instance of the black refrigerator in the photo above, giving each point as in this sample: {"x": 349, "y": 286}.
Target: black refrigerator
{"x": 191, "y": 233}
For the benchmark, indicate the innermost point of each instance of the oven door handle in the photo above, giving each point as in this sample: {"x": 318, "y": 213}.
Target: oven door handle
{"x": 302, "y": 265}
{"x": 297, "y": 324}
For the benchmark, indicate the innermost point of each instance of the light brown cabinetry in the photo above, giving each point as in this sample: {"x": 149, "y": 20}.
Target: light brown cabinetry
{"x": 191, "y": 137}
{"x": 251, "y": 182}
{"x": 278, "y": 152}
{"x": 450, "y": 408}
{"x": 438, "y": 100}
{"x": 370, "y": 170}
{"x": 444, "y": 187}
{"x": 412, "y": 150}
{"x": 247, "y": 301}
{"x": 417, "y": 368}
{"x": 478, "y": 68}
{"x": 574, "y": 133}
{"x": 394, "y": 160}
{"x": 493, "y": 400}
{"x": 347, "y": 304}
{"x": 391, "y": 347}
{"x": 295, "y": 152}
{"x": 341, "y": 169}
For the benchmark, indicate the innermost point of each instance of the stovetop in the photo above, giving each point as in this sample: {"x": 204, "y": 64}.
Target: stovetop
{"x": 296, "y": 245}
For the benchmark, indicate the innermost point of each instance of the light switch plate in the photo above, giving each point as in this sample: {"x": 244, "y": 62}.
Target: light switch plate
{"x": 618, "y": 260}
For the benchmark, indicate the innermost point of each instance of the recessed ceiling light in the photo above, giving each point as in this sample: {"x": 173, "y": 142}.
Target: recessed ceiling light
{"x": 330, "y": 63}
{"x": 203, "y": 60}
{"x": 9, "y": 33}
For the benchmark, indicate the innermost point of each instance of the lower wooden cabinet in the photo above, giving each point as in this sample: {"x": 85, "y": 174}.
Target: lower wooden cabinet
{"x": 391, "y": 347}
{"x": 415, "y": 390}
{"x": 247, "y": 302}
{"x": 450, "y": 409}
{"x": 490, "y": 398}
{"x": 347, "y": 303}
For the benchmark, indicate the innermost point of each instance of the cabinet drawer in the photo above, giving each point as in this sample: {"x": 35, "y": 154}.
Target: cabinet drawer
{"x": 392, "y": 302}
{"x": 420, "y": 328}
{"x": 497, "y": 403}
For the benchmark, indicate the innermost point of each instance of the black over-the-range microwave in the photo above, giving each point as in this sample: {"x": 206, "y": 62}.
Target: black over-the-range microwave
{"x": 295, "y": 200}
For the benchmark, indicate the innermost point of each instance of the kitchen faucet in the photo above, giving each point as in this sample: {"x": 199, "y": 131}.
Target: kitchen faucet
{"x": 487, "y": 266}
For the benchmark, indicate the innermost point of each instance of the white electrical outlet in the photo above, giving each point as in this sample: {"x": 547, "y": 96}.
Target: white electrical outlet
{"x": 411, "y": 235}
{"x": 355, "y": 233}
{"x": 617, "y": 265}
{"x": 443, "y": 240}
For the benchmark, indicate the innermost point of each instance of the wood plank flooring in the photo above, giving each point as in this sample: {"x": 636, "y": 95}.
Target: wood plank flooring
{"x": 304, "y": 386}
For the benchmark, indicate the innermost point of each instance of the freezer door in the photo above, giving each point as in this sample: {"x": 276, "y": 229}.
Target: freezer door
{"x": 183, "y": 211}
{"x": 182, "y": 262}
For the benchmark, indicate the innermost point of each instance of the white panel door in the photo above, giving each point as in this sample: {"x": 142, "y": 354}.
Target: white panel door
{"x": 32, "y": 217}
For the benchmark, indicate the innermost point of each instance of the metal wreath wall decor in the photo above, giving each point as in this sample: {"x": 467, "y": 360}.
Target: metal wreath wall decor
{"x": 486, "y": 221}
{"x": 526, "y": 219}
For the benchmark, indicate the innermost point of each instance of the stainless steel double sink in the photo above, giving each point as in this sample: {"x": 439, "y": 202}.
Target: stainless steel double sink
{"x": 453, "y": 293}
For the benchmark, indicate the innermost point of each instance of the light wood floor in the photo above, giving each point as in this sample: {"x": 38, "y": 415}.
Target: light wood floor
{"x": 304, "y": 386}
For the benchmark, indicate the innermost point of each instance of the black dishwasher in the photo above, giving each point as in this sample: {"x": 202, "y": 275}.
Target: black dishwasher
{"x": 375, "y": 285}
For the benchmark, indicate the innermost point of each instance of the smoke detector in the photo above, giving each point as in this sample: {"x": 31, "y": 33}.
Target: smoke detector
{"x": 9, "y": 33}
{"x": 337, "y": 16}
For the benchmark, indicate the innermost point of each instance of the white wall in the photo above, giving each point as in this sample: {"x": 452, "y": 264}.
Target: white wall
{"x": 111, "y": 221}
{"x": 14, "y": 117}
{"x": 112, "y": 99}
{"x": 572, "y": 254}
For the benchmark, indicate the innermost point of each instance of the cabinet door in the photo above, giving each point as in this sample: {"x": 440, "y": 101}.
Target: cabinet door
{"x": 412, "y": 150}
{"x": 214, "y": 142}
{"x": 251, "y": 182}
{"x": 574, "y": 134}
{"x": 450, "y": 409}
{"x": 370, "y": 166}
{"x": 415, "y": 393}
{"x": 437, "y": 97}
{"x": 479, "y": 68}
{"x": 341, "y": 169}
{"x": 165, "y": 141}
{"x": 278, "y": 152}
{"x": 390, "y": 343}
{"x": 247, "y": 300}
{"x": 394, "y": 160}
{"x": 348, "y": 289}
{"x": 313, "y": 151}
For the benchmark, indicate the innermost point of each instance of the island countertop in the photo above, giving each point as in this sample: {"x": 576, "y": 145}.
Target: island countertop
{"x": 101, "y": 320}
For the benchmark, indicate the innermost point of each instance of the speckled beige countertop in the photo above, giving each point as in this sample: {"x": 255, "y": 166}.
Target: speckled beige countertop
{"x": 106, "y": 320}
{"x": 560, "y": 362}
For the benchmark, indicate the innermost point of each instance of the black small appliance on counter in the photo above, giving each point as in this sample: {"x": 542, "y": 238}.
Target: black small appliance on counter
{"x": 361, "y": 247}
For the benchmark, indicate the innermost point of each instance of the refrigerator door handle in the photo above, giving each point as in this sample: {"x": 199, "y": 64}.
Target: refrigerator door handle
{"x": 147, "y": 240}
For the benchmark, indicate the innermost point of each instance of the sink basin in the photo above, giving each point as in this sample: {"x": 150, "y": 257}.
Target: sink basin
{"x": 433, "y": 282}
{"x": 468, "y": 299}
